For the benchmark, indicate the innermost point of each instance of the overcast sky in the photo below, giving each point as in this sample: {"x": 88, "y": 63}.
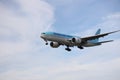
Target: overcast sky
{"x": 24, "y": 55}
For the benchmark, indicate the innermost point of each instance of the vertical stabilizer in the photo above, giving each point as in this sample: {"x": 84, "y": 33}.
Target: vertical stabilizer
{"x": 97, "y": 33}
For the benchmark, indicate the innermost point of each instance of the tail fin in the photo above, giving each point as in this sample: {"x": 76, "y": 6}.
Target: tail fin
{"x": 98, "y": 32}
{"x": 96, "y": 40}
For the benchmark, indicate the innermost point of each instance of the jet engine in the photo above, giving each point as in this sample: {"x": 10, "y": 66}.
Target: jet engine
{"x": 54, "y": 44}
{"x": 76, "y": 40}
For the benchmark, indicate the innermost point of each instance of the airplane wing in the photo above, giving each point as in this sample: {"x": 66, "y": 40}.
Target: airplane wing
{"x": 105, "y": 41}
{"x": 97, "y": 36}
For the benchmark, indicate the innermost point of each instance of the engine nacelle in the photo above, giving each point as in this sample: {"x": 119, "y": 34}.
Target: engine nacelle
{"x": 76, "y": 40}
{"x": 54, "y": 44}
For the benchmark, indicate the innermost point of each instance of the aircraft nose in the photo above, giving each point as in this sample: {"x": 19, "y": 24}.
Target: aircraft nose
{"x": 42, "y": 35}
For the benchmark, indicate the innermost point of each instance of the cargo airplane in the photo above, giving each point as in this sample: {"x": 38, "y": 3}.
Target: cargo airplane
{"x": 57, "y": 39}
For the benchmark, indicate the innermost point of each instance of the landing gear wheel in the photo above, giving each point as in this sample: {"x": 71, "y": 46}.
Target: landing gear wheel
{"x": 80, "y": 47}
{"x": 68, "y": 49}
{"x": 46, "y": 43}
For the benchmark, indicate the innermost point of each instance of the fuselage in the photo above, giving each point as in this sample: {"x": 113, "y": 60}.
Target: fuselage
{"x": 57, "y": 39}
{"x": 64, "y": 39}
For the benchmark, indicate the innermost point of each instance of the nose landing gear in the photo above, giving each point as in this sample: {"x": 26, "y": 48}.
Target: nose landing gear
{"x": 46, "y": 43}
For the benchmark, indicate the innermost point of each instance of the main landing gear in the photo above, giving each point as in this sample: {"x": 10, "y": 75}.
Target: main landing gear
{"x": 68, "y": 49}
{"x": 80, "y": 47}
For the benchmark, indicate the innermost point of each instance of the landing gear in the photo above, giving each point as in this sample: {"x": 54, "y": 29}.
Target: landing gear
{"x": 68, "y": 49}
{"x": 80, "y": 47}
{"x": 46, "y": 43}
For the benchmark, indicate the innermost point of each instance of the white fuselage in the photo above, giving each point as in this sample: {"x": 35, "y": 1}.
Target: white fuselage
{"x": 65, "y": 40}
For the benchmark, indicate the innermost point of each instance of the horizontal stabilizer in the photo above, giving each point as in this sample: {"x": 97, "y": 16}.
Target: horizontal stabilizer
{"x": 106, "y": 41}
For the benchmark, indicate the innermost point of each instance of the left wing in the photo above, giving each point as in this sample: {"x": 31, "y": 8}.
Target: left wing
{"x": 97, "y": 36}
{"x": 105, "y": 41}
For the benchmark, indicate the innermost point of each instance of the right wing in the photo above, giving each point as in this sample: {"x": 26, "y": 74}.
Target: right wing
{"x": 97, "y": 36}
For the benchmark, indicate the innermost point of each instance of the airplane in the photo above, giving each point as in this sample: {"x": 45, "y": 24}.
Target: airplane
{"x": 57, "y": 39}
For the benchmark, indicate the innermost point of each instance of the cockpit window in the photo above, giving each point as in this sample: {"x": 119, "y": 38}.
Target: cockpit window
{"x": 43, "y": 33}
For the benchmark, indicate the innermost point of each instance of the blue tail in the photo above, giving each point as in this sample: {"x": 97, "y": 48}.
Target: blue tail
{"x": 98, "y": 32}
{"x": 96, "y": 40}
